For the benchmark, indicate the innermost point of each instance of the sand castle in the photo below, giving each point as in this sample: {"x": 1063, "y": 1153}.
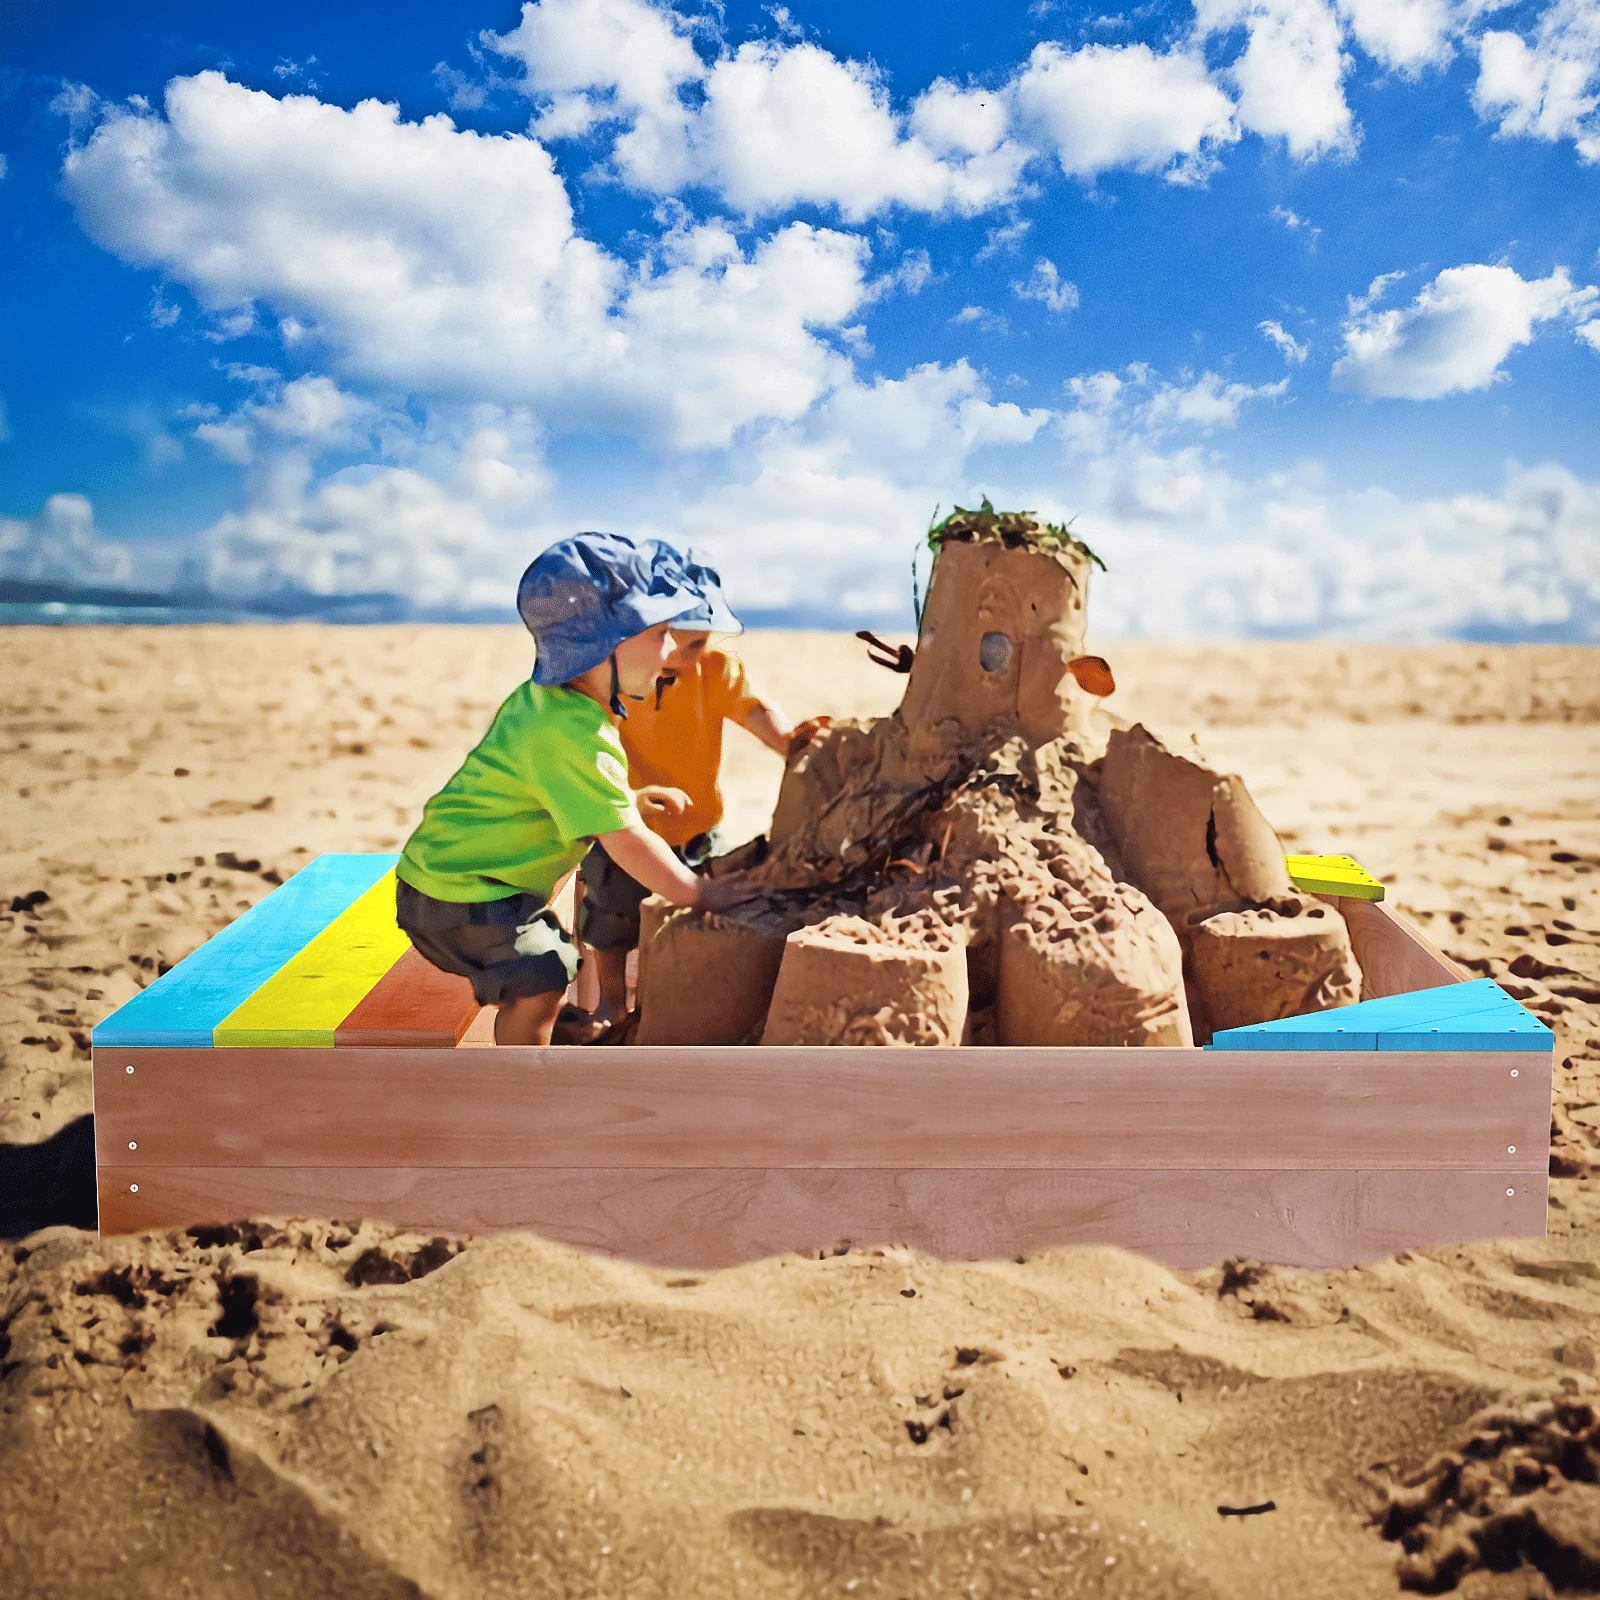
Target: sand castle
{"x": 997, "y": 862}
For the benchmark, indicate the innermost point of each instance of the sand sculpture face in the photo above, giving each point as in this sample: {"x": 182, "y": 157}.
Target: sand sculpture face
{"x": 977, "y": 868}
{"x": 999, "y": 629}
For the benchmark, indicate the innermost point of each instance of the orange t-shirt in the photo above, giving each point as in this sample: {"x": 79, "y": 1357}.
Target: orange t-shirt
{"x": 680, "y": 744}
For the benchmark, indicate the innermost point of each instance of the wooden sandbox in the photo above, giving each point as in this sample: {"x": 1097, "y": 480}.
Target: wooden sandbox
{"x": 306, "y": 1062}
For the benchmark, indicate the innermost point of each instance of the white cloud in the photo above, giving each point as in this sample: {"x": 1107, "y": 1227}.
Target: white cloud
{"x": 1454, "y": 336}
{"x": 1293, "y": 351}
{"x": 1589, "y": 332}
{"x": 980, "y": 317}
{"x": 61, "y": 545}
{"x": 776, "y": 124}
{"x": 455, "y": 539}
{"x": 1281, "y": 556}
{"x": 1376, "y": 290}
{"x": 1006, "y": 240}
{"x": 1291, "y": 75}
{"x": 1406, "y": 35}
{"x": 1108, "y": 106}
{"x": 424, "y": 258}
{"x": 1111, "y": 408}
{"x": 1207, "y": 402}
{"x": 1047, "y": 286}
{"x": 311, "y": 412}
{"x": 1548, "y": 88}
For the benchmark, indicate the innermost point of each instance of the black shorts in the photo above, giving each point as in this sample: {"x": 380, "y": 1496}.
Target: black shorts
{"x": 608, "y": 919}
{"x": 480, "y": 939}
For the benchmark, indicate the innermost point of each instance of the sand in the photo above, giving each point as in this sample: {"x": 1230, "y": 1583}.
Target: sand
{"x": 310, "y": 1409}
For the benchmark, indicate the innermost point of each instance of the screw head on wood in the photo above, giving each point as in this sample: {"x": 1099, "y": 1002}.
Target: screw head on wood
{"x": 1511, "y": 1149}
{"x": 133, "y": 1188}
{"x": 1510, "y": 1192}
{"x": 1513, "y": 1072}
{"x": 133, "y": 1144}
{"x": 130, "y": 1072}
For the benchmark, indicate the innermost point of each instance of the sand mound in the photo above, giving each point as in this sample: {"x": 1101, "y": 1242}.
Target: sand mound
{"x": 1520, "y": 1494}
{"x": 312, "y": 1410}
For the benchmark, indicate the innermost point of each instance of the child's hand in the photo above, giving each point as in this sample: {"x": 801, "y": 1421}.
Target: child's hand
{"x": 660, "y": 800}
{"x": 718, "y": 894}
{"x": 804, "y": 734}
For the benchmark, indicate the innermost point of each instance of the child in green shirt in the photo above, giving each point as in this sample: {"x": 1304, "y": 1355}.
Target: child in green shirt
{"x": 545, "y": 782}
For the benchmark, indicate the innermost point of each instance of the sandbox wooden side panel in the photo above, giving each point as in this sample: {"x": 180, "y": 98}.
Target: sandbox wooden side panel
{"x": 824, "y": 1108}
{"x": 1394, "y": 957}
{"x": 699, "y": 1218}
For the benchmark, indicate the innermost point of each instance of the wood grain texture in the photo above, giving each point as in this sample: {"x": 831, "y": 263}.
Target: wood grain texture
{"x": 1394, "y": 958}
{"x": 413, "y": 1004}
{"x": 827, "y": 1108}
{"x": 713, "y": 1218}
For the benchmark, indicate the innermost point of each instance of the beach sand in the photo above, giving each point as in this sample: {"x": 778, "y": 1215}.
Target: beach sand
{"x": 307, "y": 1408}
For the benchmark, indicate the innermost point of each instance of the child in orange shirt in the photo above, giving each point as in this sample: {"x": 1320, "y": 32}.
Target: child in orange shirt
{"x": 673, "y": 742}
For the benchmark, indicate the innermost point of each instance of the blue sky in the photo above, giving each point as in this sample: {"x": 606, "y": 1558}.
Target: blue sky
{"x": 1293, "y": 304}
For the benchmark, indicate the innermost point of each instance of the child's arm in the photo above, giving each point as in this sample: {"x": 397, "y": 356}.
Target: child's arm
{"x": 772, "y": 728}
{"x": 647, "y": 860}
{"x": 769, "y": 725}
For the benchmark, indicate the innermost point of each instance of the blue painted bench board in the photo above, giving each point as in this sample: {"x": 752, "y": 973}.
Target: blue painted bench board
{"x": 182, "y": 1007}
{"x": 1478, "y": 1015}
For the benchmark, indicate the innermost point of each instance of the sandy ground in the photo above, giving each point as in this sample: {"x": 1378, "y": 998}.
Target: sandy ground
{"x": 309, "y": 1409}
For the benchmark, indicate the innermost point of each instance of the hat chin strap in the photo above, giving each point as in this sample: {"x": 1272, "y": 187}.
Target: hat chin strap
{"x": 617, "y": 707}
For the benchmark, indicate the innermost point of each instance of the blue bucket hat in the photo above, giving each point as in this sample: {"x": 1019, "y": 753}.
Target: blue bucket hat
{"x": 712, "y": 611}
{"x": 584, "y": 596}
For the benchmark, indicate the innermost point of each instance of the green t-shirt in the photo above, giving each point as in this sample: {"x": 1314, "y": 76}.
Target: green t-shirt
{"x": 543, "y": 781}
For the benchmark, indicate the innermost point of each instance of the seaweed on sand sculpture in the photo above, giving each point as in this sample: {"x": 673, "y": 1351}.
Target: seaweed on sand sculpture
{"x": 999, "y": 861}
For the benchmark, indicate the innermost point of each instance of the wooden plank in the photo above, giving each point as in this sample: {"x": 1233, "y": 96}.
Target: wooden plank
{"x": 820, "y": 1107}
{"x": 479, "y": 1034}
{"x": 1333, "y": 875}
{"x": 1503, "y": 1027}
{"x": 304, "y": 1001}
{"x": 1393, "y": 956}
{"x": 1435, "y": 1011}
{"x": 680, "y": 1217}
{"x": 413, "y": 1004}
{"x": 183, "y": 1007}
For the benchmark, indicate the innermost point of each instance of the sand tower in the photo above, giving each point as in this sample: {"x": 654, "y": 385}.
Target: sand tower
{"x": 995, "y": 864}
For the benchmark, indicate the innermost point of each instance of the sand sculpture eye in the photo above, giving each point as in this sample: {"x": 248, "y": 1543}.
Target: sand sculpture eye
{"x": 994, "y": 652}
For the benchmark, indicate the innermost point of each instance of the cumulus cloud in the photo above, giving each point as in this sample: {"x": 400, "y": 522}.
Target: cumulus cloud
{"x": 311, "y": 411}
{"x": 454, "y": 539}
{"x": 62, "y": 545}
{"x": 780, "y": 121}
{"x": 431, "y": 259}
{"x": 1107, "y": 106}
{"x": 1406, "y": 35}
{"x": 1454, "y": 336}
{"x": 1046, "y": 285}
{"x": 1547, "y": 87}
{"x": 776, "y": 123}
{"x": 1589, "y": 332}
{"x": 1110, "y": 406}
{"x": 1290, "y": 77}
{"x": 1292, "y": 350}
{"x": 1279, "y": 556}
